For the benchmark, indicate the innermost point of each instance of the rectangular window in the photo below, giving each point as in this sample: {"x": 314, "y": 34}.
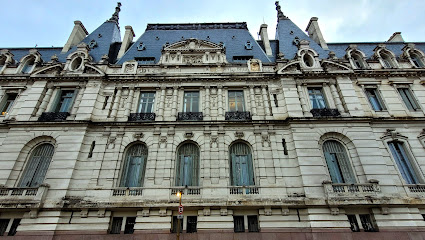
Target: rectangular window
{"x": 129, "y": 225}
{"x": 367, "y": 223}
{"x": 116, "y": 225}
{"x": 191, "y": 102}
{"x": 317, "y": 99}
{"x": 408, "y": 99}
{"x": 236, "y": 101}
{"x": 375, "y": 99}
{"x": 191, "y": 224}
{"x": 175, "y": 224}
{"x": 403, "y": 162}
{"x": 253, "y": 223}
{"x": 7, "y": 104}
{"x": 146, "y": 103}
{"x": 239, "y": 225}
{"x": 13, "y": 229}
{"x": 354, "y": 225}
{"x": 3, "y": 226}
{"x": 65, "y": 99}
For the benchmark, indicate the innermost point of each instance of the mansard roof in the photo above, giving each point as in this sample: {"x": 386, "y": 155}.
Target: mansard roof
{"x": 234, "y": 36}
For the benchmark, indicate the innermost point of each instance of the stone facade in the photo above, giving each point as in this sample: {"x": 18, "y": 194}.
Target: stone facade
{"x": 293, "y": 195}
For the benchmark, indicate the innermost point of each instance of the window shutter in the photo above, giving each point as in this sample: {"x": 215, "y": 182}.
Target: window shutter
{"x": 180, "y": 177}
{"x": 195, "y": 171}
{"x": 409, "y": 167}
{"x": 55, "y": 106}
{"x": 402, "y": 167}
{"x": 37, "y": 166}
{"x": 187, "y": 170}
{"x": 235, "y": 170}
{"x": 30, "y": 171}
{"x": 141, "y": 171}
{"x": 346, "y": 169}
{"x": 251, "y": 180}
{"x": 333, "y": 168}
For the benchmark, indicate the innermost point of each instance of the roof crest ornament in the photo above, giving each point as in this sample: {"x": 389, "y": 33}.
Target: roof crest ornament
{"x": 280, "y": 15}
{"x": 115, "y": 17}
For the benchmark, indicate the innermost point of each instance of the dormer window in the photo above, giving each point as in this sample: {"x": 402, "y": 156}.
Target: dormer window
{"x": 28, "y": 65}
{"x": 417, "y": 60}
{"x": 308, "y": 60}
{"x": 386, "y": 59}
{"x": 2, "y": 61}
{"x": 358, "y": 61}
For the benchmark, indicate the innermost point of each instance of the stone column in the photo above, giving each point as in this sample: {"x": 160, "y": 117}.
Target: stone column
{"x": 116, "y": 103}
{"x": 266, "y": 101}
{"x": 207, "y": 102}
{"x": 336, "y": 98}
{"x": 45, "y": 101}
{"x": 252, "y": 98}
{"x": 161, "y": 104}
{"x": 175, "y": 98}
{"x": 246, "y": 101}
{"x": 77, "y": 102}
{"x": 129, "y": 102}
{"x": 135, "y": 102}
{"x": 302, "y": 99}
{"x": 220, "y": 101}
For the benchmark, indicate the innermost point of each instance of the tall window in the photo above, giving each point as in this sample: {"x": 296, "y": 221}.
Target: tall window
{"x": 7, "y": 103}
{"x": 191, "y": 102}
{"x": 375, "y": 99}
{"x": 404, "y": 163}
{"x": 64, "y": 101}
{"x": 338, "y": 162}
{"x": 408, "y": 99}
{"x": 236, "y": 101}
{"x": 242, "y": 172}
{"x": 134, "y": 166}
{"x": 187, "y": 170}
{"x": 147, "y": 100}
{"x": 37, "y": 166}
{"x": 317, "y": 99}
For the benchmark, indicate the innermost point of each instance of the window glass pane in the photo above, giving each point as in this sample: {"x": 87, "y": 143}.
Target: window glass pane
{"x": 367, "y": 223}
{"x": 236, "y": 101}
{"x": 28, "y": 66}
{"x": 253, "y": 223}
{"x": 37, "y": 166}
{"x": 338, "y": 162}
{"x": 3, "y": 225}
{"x": 191, "y": 102}
{"x": 175, "y": 224}
{"x": 134, "y": 168}
{"x": 417, "y": 60}
{"x": 354, "y": 225}
{"x": 403, "y": 162}
{"x": 191, "y": 224}
{"x": 129, "y": 225}
{"x": 187, "y": 165}
{"x": 238, "y": 222}
{"x": 116, "y": 225}
{"x": 408, "y": 99}
{"x": 241, "y": 165}
{"x": 374, "y": 99}
{"x": 10, "y": 99}
{"x": 14, "y": 227}
{"x": 147, "y": 100}
{"x": 317, "y": 98}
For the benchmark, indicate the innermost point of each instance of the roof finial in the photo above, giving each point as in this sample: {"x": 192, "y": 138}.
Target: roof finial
{"x": 115, "y": 16}
{"x": 280, "y": 14}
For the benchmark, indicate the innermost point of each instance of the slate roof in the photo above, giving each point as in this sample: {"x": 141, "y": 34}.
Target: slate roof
{"x": 233, "y": 35}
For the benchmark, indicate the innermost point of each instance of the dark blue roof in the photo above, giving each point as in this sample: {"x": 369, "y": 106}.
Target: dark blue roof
{"x": 46, "y": 53}
{"x": 286, "y": 33}
{"x": 233, "y": 35}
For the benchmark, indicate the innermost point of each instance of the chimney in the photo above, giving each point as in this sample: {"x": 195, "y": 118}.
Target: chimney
{"x": 396, "y": 37}
{"x": 128, "y": 38}
{"x": 265, "y": 38}
{"x": 314, "y": 33}
{"x": 77, "y": 35}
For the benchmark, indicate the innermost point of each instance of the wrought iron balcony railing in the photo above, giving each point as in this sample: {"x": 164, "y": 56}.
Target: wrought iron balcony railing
{"x": 190, "y": 116}
{"x": 141, "y": 117}
{"x": 53, "y": 116}
{"x": 325, "y": 112}
{"x": 238, "y": 116}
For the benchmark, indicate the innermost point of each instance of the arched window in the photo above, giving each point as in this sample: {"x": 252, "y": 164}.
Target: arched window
{"x": 37, "y": 165}
{"x": 241, "y": 168}
{"x": 386, "y": 59}
{"x": 358, "y": 61}
{"x": 187, "y": 170}
{"x": 404, "y": 162}
{"x": 28, "y": 65}
{"x": 338, "y": 162}
{"x": 134, "y": 166}
{"x": 417, "y": 61}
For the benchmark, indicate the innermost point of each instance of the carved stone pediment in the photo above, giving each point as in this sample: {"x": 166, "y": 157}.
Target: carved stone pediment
{"x": 192, "y": 52}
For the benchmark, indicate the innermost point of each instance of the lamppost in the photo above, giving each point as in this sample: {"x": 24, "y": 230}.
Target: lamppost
{"x": 179, "y": 195}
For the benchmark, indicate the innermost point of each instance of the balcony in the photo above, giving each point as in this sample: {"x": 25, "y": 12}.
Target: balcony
{"x": 53, "y": 116}
{"x": 245, "y": 190}
{"x": 325, "y": 112}
{"x": 120, "y": 192}
{"x": 238, "y": 116}
{"x": 186, "y": 190}
{"x": 141, "y": 117}
{"x": 190, "y": 116}
{"x": 356, "y": 190}
{"x": 22, "y": 197}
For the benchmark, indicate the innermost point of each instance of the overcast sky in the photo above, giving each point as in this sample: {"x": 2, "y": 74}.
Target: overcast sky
{"x": 49, "y": 22}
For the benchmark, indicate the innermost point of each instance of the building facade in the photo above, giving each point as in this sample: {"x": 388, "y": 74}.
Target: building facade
{"x": 292, "y": 138}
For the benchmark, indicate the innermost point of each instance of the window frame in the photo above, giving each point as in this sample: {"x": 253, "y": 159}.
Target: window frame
{"x": 124, "y": 223}
{"x": 4, "y": 108}
{"x": 379, "y": 98}
{"x": 249, "y": 165}
{"x": 123, "y": 182}
{"x": 243, "y": 102}
{"x": 411, "y": 160}
{"x": 180, "y": 180}
{"x": 357, "y": 220}
{"x": 349, "y": 163}
{"x": 140, "y": 108}
{"x": 410, "y": 97}
{"x": 190, "y": 100}
{"x": 322, "y": 91}
{"x": 57, "y": 102}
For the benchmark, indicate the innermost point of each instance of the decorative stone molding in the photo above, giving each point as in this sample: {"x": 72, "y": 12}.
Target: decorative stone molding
{"x": 268, "y": 211}
{"x": 214, "y": 141}
{"x": 409, "y": 50}
{"x": 188, "y": 135}
{"x": 421, "y": 137}
{"x": 145, "y": 212}
{"x": 265, "y": 139}
{"x": 206, "y": 211}
{"x": 223, "y": 211}
{"x": 239, "y": 135}
{"x": 163, "y": 212}
{"x": 193, "y": 52}
{"x": 385, "y": 210}
{"x": 285, "y": 211}
{"x": 84, "y": 213}
{"x": 138, "y": 136}
{"x": 255, "y": 65}
{"x": 393, "y": 134}
{"x": 129, "y": 67}
{"x": 101, "y": 213}
{"x": 76, "y": 61}
{"x": 382, "y": 49}
{"x": 334, "y": 211}
{"x": 6, "y": 58}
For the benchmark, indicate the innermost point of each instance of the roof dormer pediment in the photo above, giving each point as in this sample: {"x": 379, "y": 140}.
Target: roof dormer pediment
{"x": 194, "y": 45}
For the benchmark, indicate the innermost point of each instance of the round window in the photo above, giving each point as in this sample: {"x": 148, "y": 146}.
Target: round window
{"x": 76, "y": 63}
